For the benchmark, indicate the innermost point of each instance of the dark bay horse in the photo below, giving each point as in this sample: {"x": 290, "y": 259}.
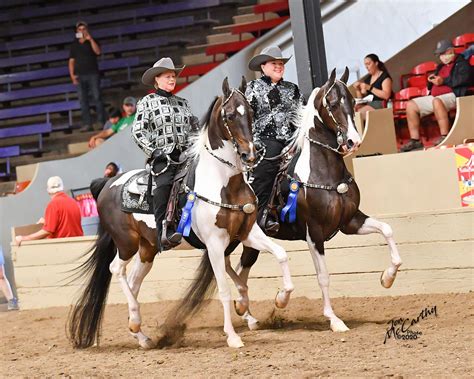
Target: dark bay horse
{"x": 223, "y": 216}
{"x": 328, "y": 199}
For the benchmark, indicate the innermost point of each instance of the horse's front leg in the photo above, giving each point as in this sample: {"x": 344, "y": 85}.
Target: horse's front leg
{"x": 248, "y": 258}
{"x": 241, "y": 305}
{"x": 258, "y": 240}
{"x": 215, "y": 247}
{"x": 362, "y": 224}
{"x": 316, "y": 249}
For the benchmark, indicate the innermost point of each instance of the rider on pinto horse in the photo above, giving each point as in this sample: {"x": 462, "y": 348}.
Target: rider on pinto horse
{"x": 162, "y": 125}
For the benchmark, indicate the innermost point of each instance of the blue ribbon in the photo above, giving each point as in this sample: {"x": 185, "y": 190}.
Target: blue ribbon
{"x": 184, "y": 225}
{"x": 291, "y": 203}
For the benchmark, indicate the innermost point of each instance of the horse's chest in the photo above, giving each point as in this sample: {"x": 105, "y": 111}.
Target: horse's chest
{"x": 237, "y": 223}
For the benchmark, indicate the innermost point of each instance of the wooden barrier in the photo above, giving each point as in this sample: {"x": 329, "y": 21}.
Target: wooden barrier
{"x": 437, "y": 250}
{"x": 410, "y": 182}
{"x": 378, "y": 133}
{"x": 463, "y": 125}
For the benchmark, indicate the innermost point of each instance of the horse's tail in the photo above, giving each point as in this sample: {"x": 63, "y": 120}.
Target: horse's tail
{"x": 97, "y": 185}
{"x": 202, "y": 288}
{"x": 85, "y": 318}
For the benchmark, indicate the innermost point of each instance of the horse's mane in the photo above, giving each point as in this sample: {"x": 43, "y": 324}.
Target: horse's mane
{"x": 198, "y": 140}
{"x": 305, "y": 119}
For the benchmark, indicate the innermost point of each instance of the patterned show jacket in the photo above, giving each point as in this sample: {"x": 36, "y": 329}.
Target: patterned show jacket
{"x": 162, "y": 122}
{"x": 273, "y": 106}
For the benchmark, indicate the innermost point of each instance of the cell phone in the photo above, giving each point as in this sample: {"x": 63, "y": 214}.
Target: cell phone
{"x": 79, "y": 35}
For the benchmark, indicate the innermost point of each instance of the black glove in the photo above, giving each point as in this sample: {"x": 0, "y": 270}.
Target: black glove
{"x": 194, "y": 121}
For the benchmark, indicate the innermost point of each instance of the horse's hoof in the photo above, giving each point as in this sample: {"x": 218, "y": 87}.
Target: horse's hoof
{"x": 147, "y": 344}
{"x": 253, "y": 325}
{"x": 235, "y": 342}
{"x": 282, "y": 298}
{"x": 240, "y": 308}
{"x": 386, "y": 279}
{"x": 338, "y": 326}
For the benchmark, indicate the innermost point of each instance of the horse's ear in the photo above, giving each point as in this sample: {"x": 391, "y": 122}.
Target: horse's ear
{"x": 243, "y": 85}
{"x": 226, "y": 88}
{"x": 332, "y": 77}
{"x": 345, "y": 76}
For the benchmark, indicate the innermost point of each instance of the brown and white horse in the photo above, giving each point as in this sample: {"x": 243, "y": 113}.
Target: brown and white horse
{"x": 223, "y": 215}
{"x": 328, "y": 200}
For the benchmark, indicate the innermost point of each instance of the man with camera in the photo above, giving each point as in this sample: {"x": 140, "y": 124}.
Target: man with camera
{"x": 451, "y": 79}
{"x": 84, "y": 73}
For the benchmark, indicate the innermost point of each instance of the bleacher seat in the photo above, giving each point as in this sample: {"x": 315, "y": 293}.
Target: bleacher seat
{"x": 418, "y": 75}
{"x": 463, "y": 41}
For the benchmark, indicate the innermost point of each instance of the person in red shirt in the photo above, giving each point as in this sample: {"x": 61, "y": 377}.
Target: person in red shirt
{"x": 62, "y": 216}
{"x": 451, "y": 79}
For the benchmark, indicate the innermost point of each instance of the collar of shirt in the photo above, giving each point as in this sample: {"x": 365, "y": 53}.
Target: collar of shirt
{"x": 163, "y": 93}
{"x": 268, "y": 80}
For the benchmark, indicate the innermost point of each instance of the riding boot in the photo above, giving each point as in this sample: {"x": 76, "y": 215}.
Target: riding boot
{"x": 268, "y": 222}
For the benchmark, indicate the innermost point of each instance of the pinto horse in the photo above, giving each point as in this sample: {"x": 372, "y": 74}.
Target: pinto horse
{"x": 223, "y": 216}
{"x": 328, "y": 199}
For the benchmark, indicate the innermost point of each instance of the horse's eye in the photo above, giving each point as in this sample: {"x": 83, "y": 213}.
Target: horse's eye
{"x": 231, "y": 117}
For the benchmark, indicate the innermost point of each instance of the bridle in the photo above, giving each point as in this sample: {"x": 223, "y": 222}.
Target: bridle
{"x": 340, "y": 135}
{"x": 246, "y": 168}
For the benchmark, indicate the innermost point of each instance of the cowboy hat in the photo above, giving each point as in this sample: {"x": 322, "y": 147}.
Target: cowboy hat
{"x": 164, "y": 64}
{"x": 270, "y": 53}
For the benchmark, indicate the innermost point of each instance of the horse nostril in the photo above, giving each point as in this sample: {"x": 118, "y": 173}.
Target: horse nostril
{"x": 244, "y": 156}
{"x": 350, "y": 143}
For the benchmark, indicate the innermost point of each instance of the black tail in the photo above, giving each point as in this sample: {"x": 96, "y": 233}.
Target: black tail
{"x": 202, "y": 288}
{"x": 97, "y": 185}
{"x": 85, "y": 318}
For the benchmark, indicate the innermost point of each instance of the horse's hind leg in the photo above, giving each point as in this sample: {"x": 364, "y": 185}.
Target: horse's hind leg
{"x": 258, "y": 240}
{"x": 242, "y": 303}
{"x": 316, "y": 249}
{"x": 362, "y": 224}
{"x": 118, "y": 267}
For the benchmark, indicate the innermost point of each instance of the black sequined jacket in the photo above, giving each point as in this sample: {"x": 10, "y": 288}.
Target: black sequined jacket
{"x": 274, "y": 105}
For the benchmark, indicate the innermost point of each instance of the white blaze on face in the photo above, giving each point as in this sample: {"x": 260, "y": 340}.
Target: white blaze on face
{"x": 352, "y": 133}
{"x": 241, "y": 110}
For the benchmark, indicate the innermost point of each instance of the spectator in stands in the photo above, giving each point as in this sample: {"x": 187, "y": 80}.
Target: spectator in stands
{"x": 5, "y": 286}
{"x": 62, "y": 216}
{"x": 129, "y": 107}
{"x": 114, "y": 116}
{"x": 274, "y": 102}
{"x": 111, "y": 170}
{"x": 162, "y": 137}
{"x": 376, "y": 88}
{"x": 84, "y": 73}
{"x": 451, "y": 79}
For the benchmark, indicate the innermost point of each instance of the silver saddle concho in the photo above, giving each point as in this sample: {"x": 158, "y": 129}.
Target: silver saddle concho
{"x": 139, "y": 186}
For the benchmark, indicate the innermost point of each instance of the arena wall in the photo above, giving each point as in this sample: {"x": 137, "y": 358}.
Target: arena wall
{"x": 436, "y": 247}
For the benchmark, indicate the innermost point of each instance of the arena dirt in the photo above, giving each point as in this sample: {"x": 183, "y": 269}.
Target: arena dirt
{"x": 295, "y": 342}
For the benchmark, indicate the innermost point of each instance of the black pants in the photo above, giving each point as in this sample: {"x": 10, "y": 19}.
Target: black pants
{"x": 161, "y": 194}
{"x": 265, "y": 173}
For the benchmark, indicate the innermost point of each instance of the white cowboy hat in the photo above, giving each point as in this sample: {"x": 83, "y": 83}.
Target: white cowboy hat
{"x": 164, "y": 64}
{"x": 270, "y": 53}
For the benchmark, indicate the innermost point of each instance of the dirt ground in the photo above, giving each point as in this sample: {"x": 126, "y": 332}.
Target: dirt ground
{"x": 295, "y": 342}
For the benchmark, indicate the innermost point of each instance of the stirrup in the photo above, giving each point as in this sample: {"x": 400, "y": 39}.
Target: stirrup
{"x": 169, "y": 238}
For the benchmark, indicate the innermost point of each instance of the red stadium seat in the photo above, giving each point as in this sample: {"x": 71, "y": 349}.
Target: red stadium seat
{"x": 418, "y": 75}
{"x": 464, "y": 40}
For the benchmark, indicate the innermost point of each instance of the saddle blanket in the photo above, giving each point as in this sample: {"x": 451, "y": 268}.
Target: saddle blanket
{"x": 134, "y": 194}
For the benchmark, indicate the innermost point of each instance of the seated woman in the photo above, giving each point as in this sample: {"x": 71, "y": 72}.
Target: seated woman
{"x": 378, "y": 84}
